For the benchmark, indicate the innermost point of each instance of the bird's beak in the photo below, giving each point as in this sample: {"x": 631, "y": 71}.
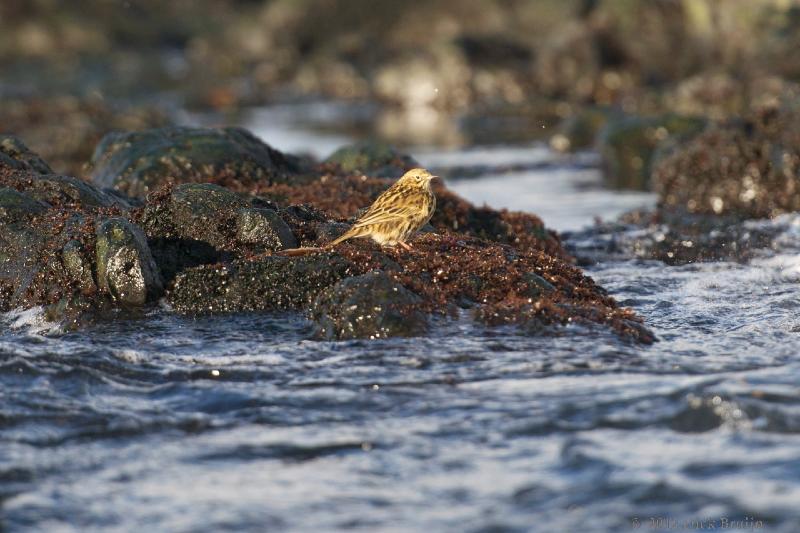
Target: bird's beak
{"x": 432, "y": 177}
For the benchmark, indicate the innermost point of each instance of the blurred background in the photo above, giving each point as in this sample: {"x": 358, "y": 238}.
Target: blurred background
{"x": 441, "y": 72}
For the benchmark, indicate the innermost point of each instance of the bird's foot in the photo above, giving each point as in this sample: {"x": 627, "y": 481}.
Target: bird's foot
{"x": 405, "y": 246}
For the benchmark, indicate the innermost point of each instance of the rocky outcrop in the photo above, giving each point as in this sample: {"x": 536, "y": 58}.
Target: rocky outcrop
{"x": 14, "y": 154}
{"x": 137, "y": 162}
{"x": 78, "y": 250}
{"x": 372, "y": 159}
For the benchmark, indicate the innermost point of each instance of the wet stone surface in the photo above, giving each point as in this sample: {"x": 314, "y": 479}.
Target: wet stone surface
{"x": 370, "y": 306}
{"x": 125, "y": 267}
{"x": 264, "y": 227}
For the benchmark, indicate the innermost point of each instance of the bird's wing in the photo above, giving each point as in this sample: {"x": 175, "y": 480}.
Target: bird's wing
{"x": 379, "y": 214}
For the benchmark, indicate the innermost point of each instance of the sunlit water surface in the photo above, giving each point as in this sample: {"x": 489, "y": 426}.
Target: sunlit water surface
{"x": 241, "y": 423}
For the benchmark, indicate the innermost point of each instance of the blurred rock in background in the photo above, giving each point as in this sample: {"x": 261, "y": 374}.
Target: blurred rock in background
{"x": 443, "y": 71}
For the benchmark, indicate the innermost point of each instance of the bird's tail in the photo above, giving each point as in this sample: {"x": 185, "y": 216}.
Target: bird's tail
{"x": 349, "y": 234}
{"x": 297, "y": 252}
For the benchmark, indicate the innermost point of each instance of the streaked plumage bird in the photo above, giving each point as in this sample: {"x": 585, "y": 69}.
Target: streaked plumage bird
{"x": 394, "y": 216}
{"x": 398, "y": 213}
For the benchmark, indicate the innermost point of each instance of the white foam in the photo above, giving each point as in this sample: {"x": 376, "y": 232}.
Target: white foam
{"x": 31, "y": 320}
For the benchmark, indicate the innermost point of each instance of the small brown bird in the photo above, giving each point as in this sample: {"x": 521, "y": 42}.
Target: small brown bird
{"x": 394, "y": 216}
{"x": 398, "y": 213}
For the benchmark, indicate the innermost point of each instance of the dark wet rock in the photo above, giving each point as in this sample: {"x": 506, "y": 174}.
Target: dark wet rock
{"x": 16, "y": 206}
{"x": 370, "y": 306}
{"x": 267, "y": 283}
{"x": 580, "y": 130}
{"x": 61, "y": 191}
{"x": 125, "y": 268}
{"x": 173, "y": 255}
{"x": 194, "y": 211}
{"x": 69, "y": 191}
{"x": 15, "y": 154}
{"x": 675, "y": 237}
{"x": 78, "y": 265}
{"x": 330, "y": 231}
{"x": 372, "y": 159}
{"x": 137, "y": 162}
{"x": 46, "y": 257}
{"x": 264, "y": 227}
{"x": 746, "y": 168}
{"x": 72, "y": 312}
{"x": 627, "y": 146}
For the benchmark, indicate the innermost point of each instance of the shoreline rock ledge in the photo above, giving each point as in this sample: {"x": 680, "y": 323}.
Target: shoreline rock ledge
{"x": 205, "y": 231}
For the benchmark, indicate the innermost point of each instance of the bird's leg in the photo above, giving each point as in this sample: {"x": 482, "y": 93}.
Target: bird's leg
{"x": 405, "y": 246}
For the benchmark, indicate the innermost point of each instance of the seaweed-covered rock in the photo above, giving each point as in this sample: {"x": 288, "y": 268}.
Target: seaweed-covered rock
{"x": 137, "y": 162}
{"x": 268, "y": 283}
{"x": 342, "y": 197}
{"x": 369, "y": 306}
{"x": 15, "y": 154}
{"x": 495, "y": 281}
{"x": 627, "y": 146}
{"x": 16, "y": 206}
{"x": 60, "y": 191}
{"x": 372, "y": 158}
{"x": 264, "y": 227}
{"x": 125, "y": 267}
{"x": 749, "y": 168}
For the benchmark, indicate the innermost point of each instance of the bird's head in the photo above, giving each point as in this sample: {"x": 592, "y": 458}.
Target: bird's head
{"x": 418, "y": 177}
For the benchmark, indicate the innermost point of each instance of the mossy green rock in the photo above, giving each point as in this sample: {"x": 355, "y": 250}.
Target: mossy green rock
{"x": 372, "y": 159}
{"x": 125, "y": 267}
{"x": 369, "y": 306}
{"x": 137, "y": 162}
{"x": 627, "y": 146}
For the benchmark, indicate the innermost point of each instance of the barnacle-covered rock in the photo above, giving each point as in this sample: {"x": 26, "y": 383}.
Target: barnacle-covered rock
{"x": 125, "y": 267}
{"x": 747, "y": 168}
{"x": 370, "y": 306}
{"x": 268, "y": 283}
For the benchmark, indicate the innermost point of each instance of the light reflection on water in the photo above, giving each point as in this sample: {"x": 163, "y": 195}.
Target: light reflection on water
{"x": 127, "y": 426}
